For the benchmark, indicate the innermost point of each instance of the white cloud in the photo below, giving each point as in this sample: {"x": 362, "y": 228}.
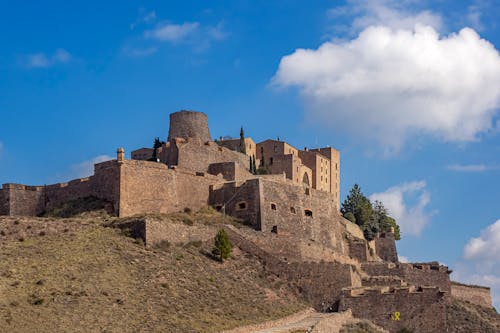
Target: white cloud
{"x": 41, "y": 60}
{"x": 172, "y": 32}
{"x": 481, "y": 261}
{"x": 412, "y": 218}
{"x": 388, "y": 85}
{"x": 86, "y": 168}
{"x": 470, "y": 167}
{"x": 393, "y": 14}
{"x": 199, "y": 37}
{"x": 403, "y": 259}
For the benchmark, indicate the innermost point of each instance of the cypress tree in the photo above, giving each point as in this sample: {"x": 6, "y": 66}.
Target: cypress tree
{"x": 243, "y": 148}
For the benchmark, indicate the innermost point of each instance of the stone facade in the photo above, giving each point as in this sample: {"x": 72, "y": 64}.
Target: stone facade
{"x": 474, "y": 294}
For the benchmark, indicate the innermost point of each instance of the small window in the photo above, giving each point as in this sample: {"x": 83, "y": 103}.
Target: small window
{"x": 271, "y": 161}
{"x": 273, "y": 206}
{"x": 292, "y": 210}
{"x": 307, "y": 191}
{"x": 308, "y": 213}
{"x": 274, "y": 229}
{"x": 241, "y": 205}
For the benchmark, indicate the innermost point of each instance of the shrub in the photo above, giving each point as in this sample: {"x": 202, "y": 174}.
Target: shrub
{"x": 222, "y": 246}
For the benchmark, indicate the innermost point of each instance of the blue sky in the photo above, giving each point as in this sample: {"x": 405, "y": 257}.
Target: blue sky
{"x": 409, "y": 97}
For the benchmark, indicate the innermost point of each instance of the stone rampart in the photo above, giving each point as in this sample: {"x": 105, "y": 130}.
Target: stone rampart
{"x": 320, "y": 283}
{"x": 419, "y": 274}
{"x": 421, "y": 310}
{"x": 149, "y": 187}
{"x": 34, "y": 200}
{"x": 473, "y": 294}
{"x": 385, "y": 247}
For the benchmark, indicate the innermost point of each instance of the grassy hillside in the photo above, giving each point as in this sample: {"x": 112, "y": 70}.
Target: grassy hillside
{"x": 74, "y": 275}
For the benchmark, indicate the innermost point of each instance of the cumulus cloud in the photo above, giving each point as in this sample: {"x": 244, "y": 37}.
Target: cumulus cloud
{"x": 172, "y": 32}
{"x": 412, "y": 218}
{"x": 481, "y": 261}
{"x": 389, "y": 84}
{"x": 86, "y": 168}
{"x": 42, "y": 60}
{"x": 470, "y": 167}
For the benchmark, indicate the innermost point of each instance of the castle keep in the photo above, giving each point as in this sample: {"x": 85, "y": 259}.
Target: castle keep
{"x": 296, "y": 229}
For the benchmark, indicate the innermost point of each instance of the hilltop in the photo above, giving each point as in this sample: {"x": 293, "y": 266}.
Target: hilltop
{"x": 80, "y": 274}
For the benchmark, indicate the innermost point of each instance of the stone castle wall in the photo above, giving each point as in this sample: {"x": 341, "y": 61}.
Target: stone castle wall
{"x": 431, "y": 274}
{"x": 197, "y": 157}
{"x": 474, "y": 294}
{"x": 422, "y": 310}
{"x": 385, "y": 247}
{"x": 230, "y": 171}
{"x": 147, "y": 187}
{"x": 239, "y": 199}
{"x": 320, "y": 283}
{"x": 287, "y": 208}
{"x": 25, "y": 200}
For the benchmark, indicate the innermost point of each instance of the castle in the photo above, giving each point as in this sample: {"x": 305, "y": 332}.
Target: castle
{"x": 296, "y": 229}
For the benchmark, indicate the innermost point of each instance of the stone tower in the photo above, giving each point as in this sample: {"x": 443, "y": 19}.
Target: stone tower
{"x": 189, "y": 124}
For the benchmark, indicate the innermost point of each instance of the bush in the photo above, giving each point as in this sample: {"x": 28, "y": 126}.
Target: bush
{"x": 222, "y": 246}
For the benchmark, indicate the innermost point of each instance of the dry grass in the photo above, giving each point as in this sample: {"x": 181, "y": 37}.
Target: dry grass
{"x": 465, "y": 317}
{"x": 93, "y": 279}
{"x": 359, "y": 327}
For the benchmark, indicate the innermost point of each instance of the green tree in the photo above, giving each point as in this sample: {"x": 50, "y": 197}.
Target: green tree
{"x": 372, "y": 219}
{"x": 243, "y": 148}
{"x": 157, "y": 144}
{"x": 222, "y": 246}
{"x": 350, "y": 217}
{"x": 384, "y": 221}
{"x": 358, "y": 205}
{"x": 254, "y": 166}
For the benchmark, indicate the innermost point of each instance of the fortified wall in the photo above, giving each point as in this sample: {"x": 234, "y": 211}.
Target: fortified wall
{"x": 475, "y": 294}
{"x": 421, "y": 310}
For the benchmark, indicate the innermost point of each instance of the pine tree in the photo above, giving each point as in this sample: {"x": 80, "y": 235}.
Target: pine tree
{"x": 358, "y": 205}
{"x": 222, "y": 246}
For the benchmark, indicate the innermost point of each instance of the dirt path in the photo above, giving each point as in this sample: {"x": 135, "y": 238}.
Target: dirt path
{"x": 308, "y": 320}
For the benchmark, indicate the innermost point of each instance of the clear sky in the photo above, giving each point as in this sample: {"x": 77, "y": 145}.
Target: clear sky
{"x": 408, "y": 91}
